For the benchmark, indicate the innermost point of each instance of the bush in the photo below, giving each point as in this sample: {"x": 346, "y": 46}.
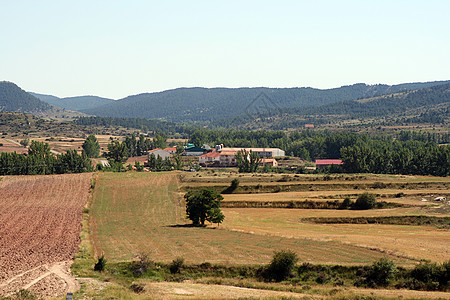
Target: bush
{"x": 142, "y": 264}
{"x": 347, "y": 203}
{"x": 234, "y": 185}
{"x": 101, "y": 263}
{"x": 137, "y": 288}
{"x": 281, "y": 266}
{"x": 431, "y": 276}
{"x": 379, "y": 274}
{"x": 365, "y": 201}
{"x": 175, "y": 265}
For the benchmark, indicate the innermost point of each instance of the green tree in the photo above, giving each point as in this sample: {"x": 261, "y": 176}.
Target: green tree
{"x": 39, "y": 149}
{"x": 178, "y": 161}
{"x": 117, "y": 151}
{"x": 91, "y": 146}
{"x": 281, "y": 266}
{"x": 160, "y": 141}
{"x": 202, "y": 205}
{"x": 247, "y": 162}
{"x": 215, "y": 216}
{"x": 365, "y": 201}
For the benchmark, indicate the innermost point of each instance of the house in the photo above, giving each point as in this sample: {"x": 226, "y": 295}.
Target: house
{"x": 209, "y": 159}
{"x": 194, "y": 150}
{"x": 269, "y": 161}
{"x": 171, "y": 150}
{"x": 325, "y": 163}
{"x": 227, "y": 158}
{"x": 262, "y": 152}
{"x": 159, "y": 152}
{"x": 310, "y": 126}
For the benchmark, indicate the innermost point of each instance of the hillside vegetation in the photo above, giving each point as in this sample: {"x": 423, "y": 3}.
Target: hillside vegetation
{"x": 74, "y": 103}
{"x": 13, "y": 98}
{"x": 202, "y": 104}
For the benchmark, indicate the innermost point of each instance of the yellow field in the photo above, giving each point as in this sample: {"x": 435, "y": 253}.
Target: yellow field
{"x": 136, "y": 212}
{"x": 412, "y": 197}
{"x": 419, "y": 242}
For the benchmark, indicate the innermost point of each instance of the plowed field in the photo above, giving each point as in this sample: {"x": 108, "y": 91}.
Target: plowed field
{"x": 40, "y": 223}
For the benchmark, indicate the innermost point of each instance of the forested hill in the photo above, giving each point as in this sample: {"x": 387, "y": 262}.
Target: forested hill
{"x": 202, "y": 104}
{"x": 74, "y": 103}
{"x": 391, "y": 104}
{"x": 14, "y": 99}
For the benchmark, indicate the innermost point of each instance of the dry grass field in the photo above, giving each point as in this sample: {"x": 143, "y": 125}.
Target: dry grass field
{"x": 40, "y": 224}
{"x": 144, "y": 212}
{"x": 416, "y": 242}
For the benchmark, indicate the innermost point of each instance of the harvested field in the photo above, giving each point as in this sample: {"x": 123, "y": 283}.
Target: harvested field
{"x": 417, "y": 242}
{"x": 40, "y": 224}
{"x": 144, "y": 212}
{"x": 410, "y": 197}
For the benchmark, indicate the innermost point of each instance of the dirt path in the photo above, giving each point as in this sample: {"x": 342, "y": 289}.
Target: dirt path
{"x": 47, "y": 280}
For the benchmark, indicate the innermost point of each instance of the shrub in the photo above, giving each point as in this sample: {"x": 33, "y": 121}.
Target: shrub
{"x": 281, "y": 265}
{"x": 176, "y": 264}
{"x": 137, "y": 288}
{"x": 365, "y": 201}
{"x": 101, "y": 263}
{"x": 379, "y": 274}
{"x": 347, "y": 203}
{"x": 431, "y": 276}
{"x": 234, "y": 185}
{"x": 142, "y": 264}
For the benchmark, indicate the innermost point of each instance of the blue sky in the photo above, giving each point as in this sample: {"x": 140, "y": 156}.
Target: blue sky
{"x": 119, "y": 48}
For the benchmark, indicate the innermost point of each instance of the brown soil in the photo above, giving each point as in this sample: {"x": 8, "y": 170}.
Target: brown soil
{"x": 40, "y": 224}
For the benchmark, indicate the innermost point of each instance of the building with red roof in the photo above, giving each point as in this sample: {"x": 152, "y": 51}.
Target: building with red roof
{"x": 325, "y": 163}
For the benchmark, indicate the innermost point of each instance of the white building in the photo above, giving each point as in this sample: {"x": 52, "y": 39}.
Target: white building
{"x": 159, "y": 152}
{"x": 262, "y": 152}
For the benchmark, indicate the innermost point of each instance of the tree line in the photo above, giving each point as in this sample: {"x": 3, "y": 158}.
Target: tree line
{"x": 40, "y": 161}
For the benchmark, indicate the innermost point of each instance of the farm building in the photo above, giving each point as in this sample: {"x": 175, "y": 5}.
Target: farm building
{"x": 325, "y": 163}
{"x": 159, "y": 152}
{"x": 262, "y": 152}
{"x": 269, "y": 161}
{"x": 171, "y": 150}
{"x": 227, "y": 158}
{"x": 310, "y": 126}
{"x": 212, "y": 158}
{"x": 197, "y": 151}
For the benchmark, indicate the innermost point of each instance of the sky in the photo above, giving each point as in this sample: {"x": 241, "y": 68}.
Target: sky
{"x": 118, "y": 48}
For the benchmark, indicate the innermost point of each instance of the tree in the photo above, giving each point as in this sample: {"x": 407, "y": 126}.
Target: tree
{"x": 39, "y": 149}
{"x": 160, "y": 142}
{"x": 178, "y": 161}
{"x": 281, "y": 266}
{"x": 117, "y": 152}
{"x": 203, "y": 205}
{"x": 215, "y": 216}
{"x": 91, "y": 146}
{"x": 247, "y": 162}
{"x": 365, "y": 201}
{"x": 180, "y": 149}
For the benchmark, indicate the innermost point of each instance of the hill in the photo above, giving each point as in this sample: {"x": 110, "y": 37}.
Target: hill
{"x": 427, "y": 105}
{"x": 74, "y": 103}
{"x": 14, "y": 99}
{"x": 209, "y": 104}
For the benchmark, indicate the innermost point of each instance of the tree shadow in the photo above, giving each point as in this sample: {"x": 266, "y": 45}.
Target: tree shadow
{"x": 185, "y": 226}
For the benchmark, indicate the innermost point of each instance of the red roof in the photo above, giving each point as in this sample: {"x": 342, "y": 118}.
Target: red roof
{"x": 211, "y": 154}
{"x": 328, "y": 162}
{"x": 154, "y": 150}
{"x": 171, "y": 149}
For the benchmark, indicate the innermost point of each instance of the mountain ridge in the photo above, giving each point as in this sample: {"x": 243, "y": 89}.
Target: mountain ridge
{"x": 210, "y": 104}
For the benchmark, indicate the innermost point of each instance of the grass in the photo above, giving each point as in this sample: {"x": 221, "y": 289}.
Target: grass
{"x": 415, "y": 242}
{"x": 143, "y": 212}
